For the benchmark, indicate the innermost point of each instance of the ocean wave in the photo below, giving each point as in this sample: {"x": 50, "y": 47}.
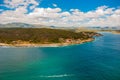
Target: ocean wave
{"x": 57, "y": 76}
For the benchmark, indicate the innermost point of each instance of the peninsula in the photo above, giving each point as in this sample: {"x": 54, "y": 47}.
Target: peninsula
{"x": 43, "y": 37}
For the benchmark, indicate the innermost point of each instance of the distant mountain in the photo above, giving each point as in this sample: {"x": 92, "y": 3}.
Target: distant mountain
{"x": 22, "y": 25}
{"x": 25, "y": 25}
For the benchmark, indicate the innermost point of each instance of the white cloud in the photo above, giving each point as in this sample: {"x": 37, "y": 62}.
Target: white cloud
{"x": 102, "y": 16}
{"x": 16, "y": 3}
{"x": 45, "y": 13}
{"x": 55, "y": 5}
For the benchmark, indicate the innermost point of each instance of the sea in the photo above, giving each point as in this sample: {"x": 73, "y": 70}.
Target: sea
{"x": 96, "y": 60}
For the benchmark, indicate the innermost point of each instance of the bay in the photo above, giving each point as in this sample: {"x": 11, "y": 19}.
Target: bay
{"x": 96, "y": 60}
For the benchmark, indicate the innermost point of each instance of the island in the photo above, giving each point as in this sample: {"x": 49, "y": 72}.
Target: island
{"x": 43, "y": 37}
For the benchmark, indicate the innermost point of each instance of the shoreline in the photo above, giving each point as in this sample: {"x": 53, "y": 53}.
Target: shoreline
{"x": 114, "y": 32}
{"x": 45, "y": 45}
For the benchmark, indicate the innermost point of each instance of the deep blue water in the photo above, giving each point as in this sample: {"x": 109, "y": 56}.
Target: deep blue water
{"x": 97, "y": 60}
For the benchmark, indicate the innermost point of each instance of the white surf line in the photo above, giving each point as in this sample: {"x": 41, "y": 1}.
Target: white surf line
{"x": 57, "y": 76}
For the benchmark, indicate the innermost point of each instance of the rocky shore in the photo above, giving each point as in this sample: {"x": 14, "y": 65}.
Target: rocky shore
{"x": 27, "y": 44}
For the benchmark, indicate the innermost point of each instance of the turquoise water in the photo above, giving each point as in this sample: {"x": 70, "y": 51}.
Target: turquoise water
{"x": 97, "y": 60}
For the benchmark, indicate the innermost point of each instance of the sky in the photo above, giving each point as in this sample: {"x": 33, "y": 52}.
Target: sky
{"x": 61, "y": 13}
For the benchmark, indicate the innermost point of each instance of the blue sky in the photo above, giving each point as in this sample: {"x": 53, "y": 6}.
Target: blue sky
{"x": 83, "y": 5}
{"x": 63, "y": 13}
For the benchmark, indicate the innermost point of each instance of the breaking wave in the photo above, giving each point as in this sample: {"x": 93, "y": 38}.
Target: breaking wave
{"x": 57, "y": 76}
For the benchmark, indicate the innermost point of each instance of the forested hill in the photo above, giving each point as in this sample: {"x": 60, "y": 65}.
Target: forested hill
{"x": 41, "y": 35}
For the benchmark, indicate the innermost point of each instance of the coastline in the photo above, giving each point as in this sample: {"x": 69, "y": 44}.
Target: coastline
{"x": 45, "y": 45}
{"x": 114, "y": 32}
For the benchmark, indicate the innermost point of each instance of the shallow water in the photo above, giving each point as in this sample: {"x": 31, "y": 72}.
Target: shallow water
{"x": 97, "y": 60}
